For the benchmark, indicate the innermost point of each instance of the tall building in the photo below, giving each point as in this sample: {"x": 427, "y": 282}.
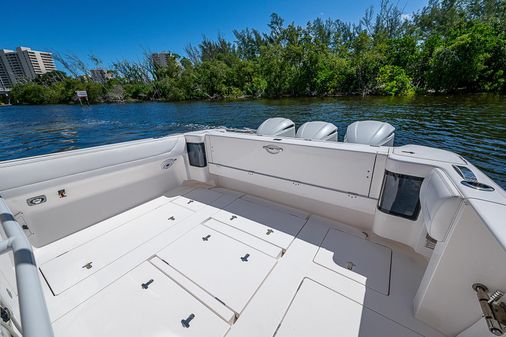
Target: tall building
{"x": 161, "y": 59}
{"x": 23, "y": 65}
{"x": 101, "y": 75}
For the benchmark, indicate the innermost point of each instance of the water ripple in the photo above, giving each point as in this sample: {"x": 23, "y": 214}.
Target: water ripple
{"x": 473, "y": 126}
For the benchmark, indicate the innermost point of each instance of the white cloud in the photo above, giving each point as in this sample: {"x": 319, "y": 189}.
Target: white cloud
{"x": 406, "y": 17}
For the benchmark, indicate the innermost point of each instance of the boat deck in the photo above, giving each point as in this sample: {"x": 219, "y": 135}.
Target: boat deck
{"x": 204, "y": 261}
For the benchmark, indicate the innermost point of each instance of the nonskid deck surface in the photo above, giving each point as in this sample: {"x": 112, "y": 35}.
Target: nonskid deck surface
{"x": 203, "y": 261}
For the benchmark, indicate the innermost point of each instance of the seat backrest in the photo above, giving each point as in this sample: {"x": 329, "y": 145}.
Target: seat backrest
{"x": 440, "y": 201}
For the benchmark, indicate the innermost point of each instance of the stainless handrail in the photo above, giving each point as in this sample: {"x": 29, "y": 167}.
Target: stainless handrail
{"x": 35, "y": 320}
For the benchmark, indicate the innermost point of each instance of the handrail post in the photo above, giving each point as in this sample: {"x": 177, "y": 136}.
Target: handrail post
{"x": 35, "y": 320}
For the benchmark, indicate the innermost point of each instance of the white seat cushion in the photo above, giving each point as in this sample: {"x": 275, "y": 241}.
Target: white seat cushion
{"x": 440, "y": 201}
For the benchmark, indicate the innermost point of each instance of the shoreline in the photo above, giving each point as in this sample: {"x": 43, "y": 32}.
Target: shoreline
{"x": 273, "y": 99}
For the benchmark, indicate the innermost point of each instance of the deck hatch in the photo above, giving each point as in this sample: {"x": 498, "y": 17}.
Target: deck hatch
{"x": 320, "y": 311}
{"x": 197, "y": 199}
{"x": 224, "y": 267}
{"x": 68, "y": 269}
{"x": 361, "y": 260}
{"x": 125, "y": 308}
{"x": 267, "y": 223}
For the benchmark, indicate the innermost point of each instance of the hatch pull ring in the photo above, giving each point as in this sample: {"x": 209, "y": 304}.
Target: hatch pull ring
{"x": 186, "y": 322}
{"x": 146, "y": 285}
{"x": 245, "y": 258}
{"x": 206, "y": 238}
{"x": 88, "y": 265}
{"x": 493, "y": 311}
{"x": 350, "y": 265}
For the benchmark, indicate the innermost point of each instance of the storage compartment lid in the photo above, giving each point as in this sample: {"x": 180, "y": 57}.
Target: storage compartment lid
{"x": 319, "y": 311}
{"x": 361, "y": 260}
{"x": 226, "y": 268}
{"x": 66, "y": 270}
{"x": 267, "y": 223}
{"x": 127, "y": 308}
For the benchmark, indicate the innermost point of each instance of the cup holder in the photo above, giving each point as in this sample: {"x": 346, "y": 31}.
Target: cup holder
{"x": 477, "y": 186}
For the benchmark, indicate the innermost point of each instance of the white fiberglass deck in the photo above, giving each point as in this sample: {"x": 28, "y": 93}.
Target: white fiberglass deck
{"x": 211, "y": 262}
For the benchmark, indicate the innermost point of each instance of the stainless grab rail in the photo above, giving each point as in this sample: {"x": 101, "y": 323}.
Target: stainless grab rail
{"x": 35, "y": 320}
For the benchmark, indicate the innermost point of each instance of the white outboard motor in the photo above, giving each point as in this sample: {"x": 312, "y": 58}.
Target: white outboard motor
{"x": 277, "y": 126}
{"x": 318, "y": 131}
{"x": 371, "y": 133}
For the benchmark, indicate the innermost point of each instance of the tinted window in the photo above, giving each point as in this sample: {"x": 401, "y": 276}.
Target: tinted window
{"x": 196, "y": 154}
{"x": 401, "y": 195}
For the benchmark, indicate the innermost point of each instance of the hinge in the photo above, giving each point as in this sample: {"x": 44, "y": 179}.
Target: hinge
{"x": 22, "y": 222}
{"x": 493, "y": 311}
{"x": 430, "y": 242}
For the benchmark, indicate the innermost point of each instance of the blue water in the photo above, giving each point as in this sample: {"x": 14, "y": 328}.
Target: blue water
{"x": 473, "y": 126}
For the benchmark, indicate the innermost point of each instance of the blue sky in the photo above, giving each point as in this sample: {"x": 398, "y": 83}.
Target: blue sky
{"x": 114, "y": 30}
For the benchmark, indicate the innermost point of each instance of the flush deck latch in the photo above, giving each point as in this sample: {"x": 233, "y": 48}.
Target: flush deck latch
{"x": 88, "y": 265}
{"x": 186, "y": 322}
{"x": 147, "y": 284}
{"x": 493, "y": 311}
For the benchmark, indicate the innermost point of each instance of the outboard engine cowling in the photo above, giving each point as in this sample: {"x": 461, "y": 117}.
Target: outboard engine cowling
{"x": 277, "y": 126}
{"x": 371, "y": 133}
{"x": 317, "y": 131}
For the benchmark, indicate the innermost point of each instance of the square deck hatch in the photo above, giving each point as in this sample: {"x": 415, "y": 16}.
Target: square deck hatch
{"x": 226, "y": 268}
{"x": 126, "y": 308}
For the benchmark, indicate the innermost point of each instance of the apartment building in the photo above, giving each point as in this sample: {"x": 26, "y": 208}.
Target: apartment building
{"x": 101, "y": 75}
{"x": 22, "y": 65}
{"x": 161, "y": 59}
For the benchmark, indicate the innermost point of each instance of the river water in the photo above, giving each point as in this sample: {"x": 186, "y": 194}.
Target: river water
{"x": 473, "y": 126}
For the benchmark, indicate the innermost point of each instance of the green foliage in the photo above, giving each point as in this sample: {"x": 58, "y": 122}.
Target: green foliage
{"x": 135, "y": 91}
{"x": 332, "y": 74}
{"x": 448, "y": 46}
{"x": 32, "y": 93}
{"x": 61, "y": 91}
{"x": 393, "y": 80}
{"x": 51, "y": 78}
{"x": 368, "y": 59}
